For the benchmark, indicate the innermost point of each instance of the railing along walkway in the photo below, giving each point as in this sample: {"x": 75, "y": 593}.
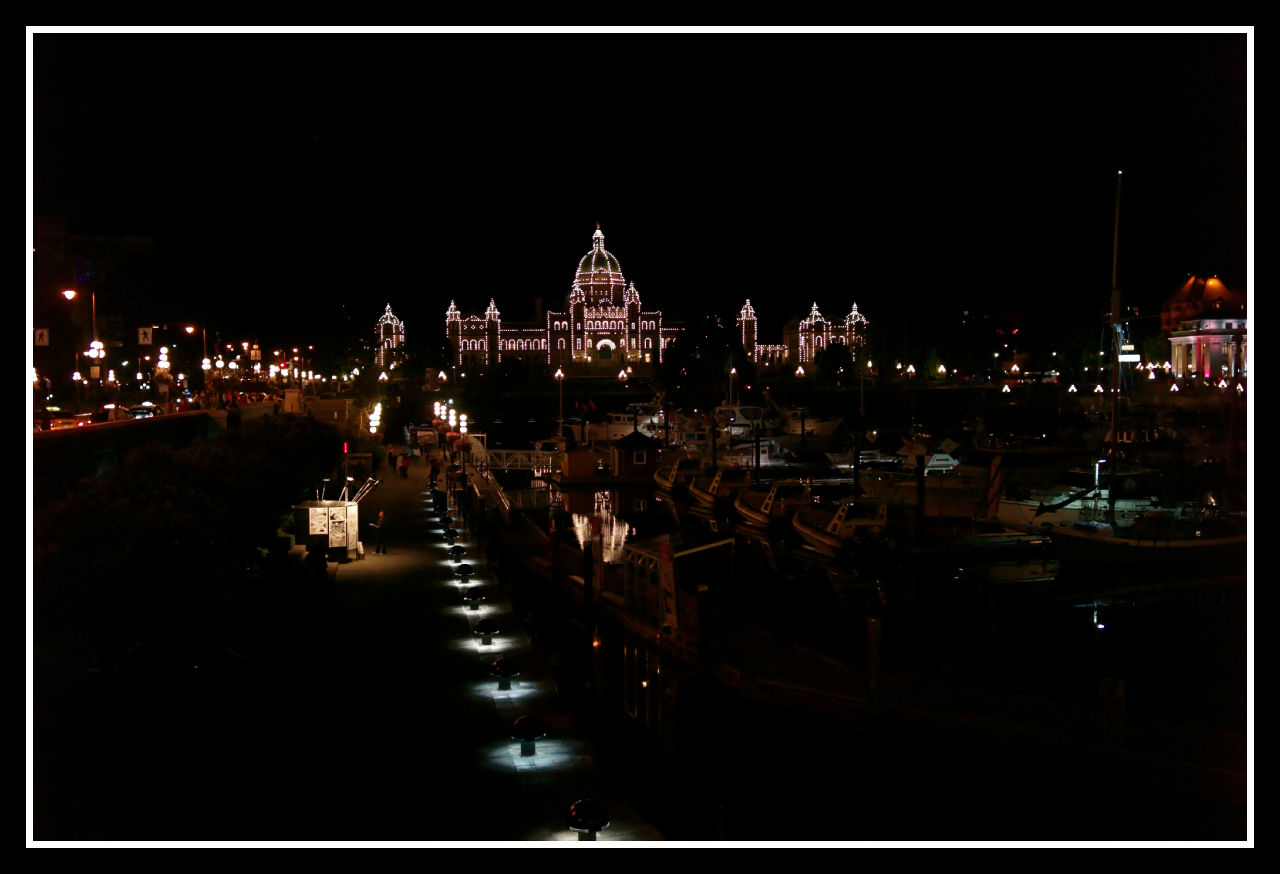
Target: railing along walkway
{"x": 523, "y": 459}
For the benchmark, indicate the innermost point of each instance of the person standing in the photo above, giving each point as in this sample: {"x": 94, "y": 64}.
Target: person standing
{"x": 380, "y": 538}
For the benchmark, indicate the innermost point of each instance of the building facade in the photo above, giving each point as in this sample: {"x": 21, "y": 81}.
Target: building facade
{"x": 802, "y": 341}
{"x": 390, "y": 333}
{"x": 1208, "y": 330}
{"x": 604, "y": 327}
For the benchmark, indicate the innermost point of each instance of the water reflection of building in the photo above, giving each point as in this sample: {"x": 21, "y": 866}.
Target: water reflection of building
{"x": 613, "y": 529}
{"x": 1207, "y": 326}
{"x": 652, "y": 643}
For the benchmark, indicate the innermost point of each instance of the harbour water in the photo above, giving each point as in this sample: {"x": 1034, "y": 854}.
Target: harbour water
{"x": 1099, "y": 702}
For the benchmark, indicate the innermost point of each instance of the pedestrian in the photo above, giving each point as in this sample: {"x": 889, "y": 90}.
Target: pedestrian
{"x": 403, "y": 464}
{"x": 317, "y": 564}
{"x": 380, "y": 529}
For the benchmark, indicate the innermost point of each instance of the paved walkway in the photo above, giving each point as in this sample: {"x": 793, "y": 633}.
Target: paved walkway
{"x": 413, "y": 738}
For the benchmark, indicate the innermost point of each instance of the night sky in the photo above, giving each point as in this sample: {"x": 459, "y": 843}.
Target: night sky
{"x": 284, "y": 177}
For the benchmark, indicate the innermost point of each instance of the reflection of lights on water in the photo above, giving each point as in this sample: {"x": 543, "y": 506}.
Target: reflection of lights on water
{"x": 613, "y": 531}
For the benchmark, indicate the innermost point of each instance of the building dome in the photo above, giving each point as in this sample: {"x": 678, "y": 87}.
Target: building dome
{"x": 599, "y": 273}
{"x": 598, "y": 258}
{"x": 1201, "y": 297}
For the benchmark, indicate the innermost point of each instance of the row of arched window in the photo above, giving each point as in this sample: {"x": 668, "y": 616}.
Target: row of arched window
{"x": 604, "y": 325}
{"x": 525, "y": 345}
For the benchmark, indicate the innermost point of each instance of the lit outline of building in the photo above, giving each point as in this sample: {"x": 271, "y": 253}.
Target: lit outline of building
{"x": 602, "y": 328}
{"x": 801, "y": 343}
{"x": 390, "y": 338}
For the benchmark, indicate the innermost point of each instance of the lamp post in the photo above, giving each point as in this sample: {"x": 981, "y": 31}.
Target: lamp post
{"x": 800, "y": 376}
{"x": 204, "y": 339}
{"x": 204, "y": 351}
{"x": 560, "y": 380}
{"x": 96, "y": 349}
{"x": 733, "y": 371}
{"x": 70, "y": 294}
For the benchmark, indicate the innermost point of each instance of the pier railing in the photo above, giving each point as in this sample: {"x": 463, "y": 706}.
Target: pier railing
{"x": 523, "y": 459}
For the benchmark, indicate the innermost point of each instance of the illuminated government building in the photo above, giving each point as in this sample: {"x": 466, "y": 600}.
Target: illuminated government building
{"x": 802, "y": 341}
{"x": 603, "y": 327}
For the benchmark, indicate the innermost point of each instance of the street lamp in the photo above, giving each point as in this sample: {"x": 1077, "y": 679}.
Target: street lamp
{"x": 733, "y": 371}
{"x": 560, "y": 380}
{"x": 70, "y": 294}
{"x": 96, "y": 349}
{"x": 204, "y": 339}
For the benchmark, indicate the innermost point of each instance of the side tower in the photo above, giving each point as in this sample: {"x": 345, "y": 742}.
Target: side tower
{"x": 390, "y": 332}
{"x": 747, "y": 329}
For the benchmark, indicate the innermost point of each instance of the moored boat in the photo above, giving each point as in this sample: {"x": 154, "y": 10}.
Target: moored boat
{"x": 987, "y": 550}
{"x": 723, "y": 485}
{"x": 1181, "y": 541}
{"x": 773, "y": 505}
{"x": 739, "y": 421}
{"x": 648, "y": 419}
{"x": 677, "y": 473}
{"x": 830, "y": 530}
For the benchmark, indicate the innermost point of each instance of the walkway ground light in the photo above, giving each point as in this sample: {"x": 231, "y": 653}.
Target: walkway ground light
{"x": 528, "y": 730}
{"x": 473, "y": 598}
{"x": 486, "y": 629}
{"x": 504, "y": 670}
{"x": 588, "y": 816}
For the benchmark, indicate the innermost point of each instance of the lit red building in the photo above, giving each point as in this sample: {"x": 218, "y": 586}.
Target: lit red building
{"x": 1208, "y": 330}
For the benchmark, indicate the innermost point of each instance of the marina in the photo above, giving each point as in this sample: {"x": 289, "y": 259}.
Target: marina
{"x": 695, "y": 602}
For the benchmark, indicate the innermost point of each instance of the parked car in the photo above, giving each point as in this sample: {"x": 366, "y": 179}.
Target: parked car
{"x": 59, "y": 420}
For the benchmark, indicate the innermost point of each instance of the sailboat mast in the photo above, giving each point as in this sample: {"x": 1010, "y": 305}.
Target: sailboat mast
{"x": 1112, "y": 450}
{"x": 1115, "y": 305}
{"x": 1115, "y": 323}
{"x": 1115, "y": 247}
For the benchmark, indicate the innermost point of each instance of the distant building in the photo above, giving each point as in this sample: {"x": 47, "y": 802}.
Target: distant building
{"x": 390, "y": 339}
{"x": 602, "y": 329}
{"x": 1208, "y": 330}
{"x": 802, "y": 341}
